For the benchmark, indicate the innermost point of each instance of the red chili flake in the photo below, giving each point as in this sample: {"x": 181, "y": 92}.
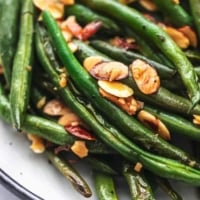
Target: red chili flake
{"x": 125, "y": 43}
{"x": 79, "y": 132}
{"x": 89, "y": 30}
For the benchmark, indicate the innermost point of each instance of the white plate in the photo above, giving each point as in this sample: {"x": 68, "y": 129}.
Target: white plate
{"x": 32, "y": 172}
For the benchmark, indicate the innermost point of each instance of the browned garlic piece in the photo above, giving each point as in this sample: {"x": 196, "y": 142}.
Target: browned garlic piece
{"x": 80, "y": 149}
{"x": 154, "y": 123}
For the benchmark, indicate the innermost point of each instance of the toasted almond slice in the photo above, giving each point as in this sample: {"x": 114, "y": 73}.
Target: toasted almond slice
{"x": 190, "y": 34}
{"x": 145, "y": 77}
{"x": 56, "y": 108}
{"x": 37, "y": 143}
{"x": 56, "y": 8}
{"x": 196, "y": 119}
{"x": 67, "y": 2}
{"x": 176, "y": 1}
{"x": 148, "y": 5}
{"x": 69, "y": 119}
{"x": 91, "y": 61}
{"x": 129, "y": 105}
{"x": 109, "y": 70}
{"x": 41, "y": 102}
{"x": 80, "y": 149}
{"x": 181, "y": 40}
{"x": 116, "y": 88}
{"x": 154, "y": 123}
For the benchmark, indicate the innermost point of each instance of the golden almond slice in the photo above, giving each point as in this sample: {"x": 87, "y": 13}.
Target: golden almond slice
{"x": 138, "y": 167}
{"x": 56, "y": 8}
{"x": 67, "y": 2}
{"x": 37, "y": 145}
{"x": 129, "y": 104}
{"x": 154, "y": 123}
{"x": 145, "y": 76}
{"x": 116, "y": 88}
{"x": 91, "y": 61}
{"x": 41, "y": 103}
{"x": 109, "y": 71}
{"x": 67, "y": 35}
{"x": 56, "y": 107}
{"x": 181, "y": 40}
{"x": 196, "y": 119}
{"x": 69, "y": 119}
{"x": 80, "y": 149}
{"x": 148, "y": 5}
{"x": 190, "y": 34}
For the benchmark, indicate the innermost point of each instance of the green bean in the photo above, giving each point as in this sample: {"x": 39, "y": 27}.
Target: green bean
{"x": 195, "y": 10}
{"x": 127, "y": 57}
{"x": 85, "y": 15}
{"x": 157, "y": 36}
{"x": 8, "y": 35}
{"x": 174, "y": 12}
{"x": 81, "y": 78}
{"x": 104, "y": 186}
{"x": 138, "y": 185}
{"x": 70, "y": 173}
{"x": 44, "y": 128}
{"x": 21, "y": 74}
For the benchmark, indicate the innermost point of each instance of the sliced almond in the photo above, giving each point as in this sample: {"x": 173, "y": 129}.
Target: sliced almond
{"x": 176, "y": 1}
{"x": 69, "y": 119}
{"x": 91, "y": 61}
{"x": 190, "y": 34}
{"x": 41, "y": 102}
{"x": 56, "y": 8}
{"x": 116, "y": 88}
{"x": 129, "y": 105}
{"x": 80, "y": 149}
{"x": 37, "y": 143}
{"x": 148, "y": 5}
{"x": 145, "y": 77}
{"x": 181, "y": 40}
{"x": 67, "y": 35}
{"x": 56, "y": 107}
{"x": 154, "y": 123}
{"x": 67, "y": 2}
{"x": 109, "y": 70}
{"x": 196, "y": 119}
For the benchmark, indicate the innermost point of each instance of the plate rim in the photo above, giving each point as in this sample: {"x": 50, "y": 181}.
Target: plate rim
{"x": 16, "y": 188}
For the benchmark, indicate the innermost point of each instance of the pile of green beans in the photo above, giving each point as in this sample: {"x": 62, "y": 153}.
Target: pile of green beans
{"x": 33, "y": 57}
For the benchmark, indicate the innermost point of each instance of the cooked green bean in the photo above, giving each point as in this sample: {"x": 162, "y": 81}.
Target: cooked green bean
{"x": 177, "y": 15}
{"x": 124, "y": 122}
{"x": 70, "y": 173}
{"x": 8, "y": 35}
{"x": 22, "y": 67}
{"x": 118, "y": 141}
{"x": 138, "y": 185}
{"x": 155, "y": 34}
{"x": 195, "y": 10}
{"x": 104, "y": 186}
